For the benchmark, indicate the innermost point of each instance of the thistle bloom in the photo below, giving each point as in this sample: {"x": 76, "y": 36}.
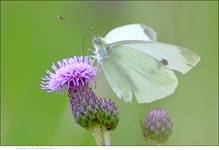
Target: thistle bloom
{"x": 157, "y": 126}
{"x": 77, "y": 75}
{"x": 73, "y": 72}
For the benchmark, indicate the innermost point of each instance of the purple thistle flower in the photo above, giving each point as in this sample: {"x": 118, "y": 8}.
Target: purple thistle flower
{"x": 77, "y": 75}
{"x": 157, "y": 126}
{"x": 69, "y": 73}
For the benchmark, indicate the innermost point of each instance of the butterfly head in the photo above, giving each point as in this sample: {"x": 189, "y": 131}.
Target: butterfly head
{"x": 98, "y": 42}
{"x": 100, "y": 49}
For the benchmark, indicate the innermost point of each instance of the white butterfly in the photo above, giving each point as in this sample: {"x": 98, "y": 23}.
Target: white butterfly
{"x": 134, "y": 63}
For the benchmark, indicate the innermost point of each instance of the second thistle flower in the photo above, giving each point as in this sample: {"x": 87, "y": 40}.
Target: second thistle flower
{"x": 157, "y": 126}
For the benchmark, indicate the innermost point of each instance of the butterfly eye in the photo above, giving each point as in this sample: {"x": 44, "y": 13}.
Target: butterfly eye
{"x": 97, "y": 41}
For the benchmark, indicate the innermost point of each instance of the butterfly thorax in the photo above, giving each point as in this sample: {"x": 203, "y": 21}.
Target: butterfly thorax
{"x": 100, "y": 49}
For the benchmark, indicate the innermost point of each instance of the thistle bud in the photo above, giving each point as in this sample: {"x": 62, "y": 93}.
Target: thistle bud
{"x": 157, "y": 126}
{"x": 89, "y": 111}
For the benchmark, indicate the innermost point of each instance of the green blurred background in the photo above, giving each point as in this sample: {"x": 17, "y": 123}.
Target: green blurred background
{"x": 32, "y": 38}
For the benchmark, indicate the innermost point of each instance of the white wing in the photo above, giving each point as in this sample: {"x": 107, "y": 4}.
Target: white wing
{"x": 174, "y": 57}
{"x": 119, "y": 84}
{"x": 131, "y": 32}
{"x": 130, "y": 71}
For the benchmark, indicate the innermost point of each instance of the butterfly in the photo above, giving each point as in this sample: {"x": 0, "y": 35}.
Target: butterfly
{"x": 136, "y": 65}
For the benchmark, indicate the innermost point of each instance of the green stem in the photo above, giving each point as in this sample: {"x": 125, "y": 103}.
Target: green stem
{"x": 106, "y": 138}
{"x": 96, "y": 132}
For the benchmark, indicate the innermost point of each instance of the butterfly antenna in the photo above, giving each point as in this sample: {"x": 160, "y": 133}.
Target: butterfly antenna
{"x": 84, "y": 38}
{"x": 77, "y": 25}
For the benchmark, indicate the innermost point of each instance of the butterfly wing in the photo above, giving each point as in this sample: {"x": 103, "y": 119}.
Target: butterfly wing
{"x": 119, "y": 84}
{"x": 130, "y": 71}
{"x": 174, "y": 57}
{"x": 131, "y": 32}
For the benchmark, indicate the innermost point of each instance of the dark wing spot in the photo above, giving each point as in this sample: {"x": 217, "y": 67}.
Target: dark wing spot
{"x": 164, "y": 61}
{"x": 149, "y": 33}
